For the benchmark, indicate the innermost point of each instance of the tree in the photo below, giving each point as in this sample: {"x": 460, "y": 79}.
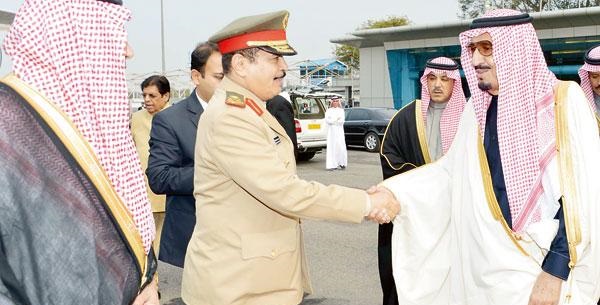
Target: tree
{"x": 475, "y": 8}
{"x": 350, "y": 55}
{"x": 388, "y": 22}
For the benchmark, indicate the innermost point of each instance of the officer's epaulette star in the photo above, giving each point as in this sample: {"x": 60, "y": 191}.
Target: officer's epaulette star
{"x": 234, "y": 99}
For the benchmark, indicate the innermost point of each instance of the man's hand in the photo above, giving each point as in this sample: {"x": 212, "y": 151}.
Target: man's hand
{"x": 148, "y": 296}
{"x": 384, "y": 206}
{"x": 546, "y": 290}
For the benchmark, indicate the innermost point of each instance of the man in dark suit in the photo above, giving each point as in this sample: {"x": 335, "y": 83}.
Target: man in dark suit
{"x": 282, "y": 110}
{"x": 171, "y": 161}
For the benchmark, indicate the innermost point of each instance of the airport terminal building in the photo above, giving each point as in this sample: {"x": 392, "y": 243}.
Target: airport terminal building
{"x": 392, "y": 59}
{"x": 6, "y": 19}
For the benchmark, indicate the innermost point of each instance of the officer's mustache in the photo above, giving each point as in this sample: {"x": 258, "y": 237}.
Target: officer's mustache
{"x": 281, "y": 77}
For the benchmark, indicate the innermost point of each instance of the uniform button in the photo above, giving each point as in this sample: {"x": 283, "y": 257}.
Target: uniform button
{"x": 273, "y": 252}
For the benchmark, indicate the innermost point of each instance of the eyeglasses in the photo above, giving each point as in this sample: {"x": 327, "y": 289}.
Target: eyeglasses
{"x": 484, "y": 47}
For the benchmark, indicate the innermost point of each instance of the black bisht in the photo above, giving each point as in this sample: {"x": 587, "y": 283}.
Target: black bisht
{"x": 400, "y": 152}
{"x": 401, "y": 148}
{"x": 60, "y": 243}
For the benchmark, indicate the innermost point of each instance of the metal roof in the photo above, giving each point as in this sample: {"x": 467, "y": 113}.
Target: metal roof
{"x": 545, "y": 20}
{"x": 327, "y": 63}
{"x": 318, "y": 62}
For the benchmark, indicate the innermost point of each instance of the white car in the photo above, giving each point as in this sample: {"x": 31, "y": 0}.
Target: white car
{"x": 309, "y": 116}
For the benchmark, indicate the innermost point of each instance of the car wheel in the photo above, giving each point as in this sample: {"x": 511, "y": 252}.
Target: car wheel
{"x": 305, "y": 156}
{"x": 372, "y": 142}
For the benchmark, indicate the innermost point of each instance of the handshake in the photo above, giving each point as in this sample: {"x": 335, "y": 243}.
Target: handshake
{"x": 384, "y": 206}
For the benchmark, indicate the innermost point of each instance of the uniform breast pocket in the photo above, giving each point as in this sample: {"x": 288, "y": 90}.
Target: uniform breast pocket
{"x": 269, "y": 244}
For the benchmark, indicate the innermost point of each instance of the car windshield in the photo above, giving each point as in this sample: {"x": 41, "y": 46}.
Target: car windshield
{"x": 308, "y": 108}
{"x": 383, "y": 114}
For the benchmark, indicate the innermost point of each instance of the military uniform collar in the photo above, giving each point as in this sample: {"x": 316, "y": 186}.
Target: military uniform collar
{"x": 238, "y": 96}
{"x": 247, "y": 98}
{"x": 230, "y": 85}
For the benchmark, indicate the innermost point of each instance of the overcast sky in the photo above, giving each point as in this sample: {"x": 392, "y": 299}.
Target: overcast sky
{"x": 311, "y": 25}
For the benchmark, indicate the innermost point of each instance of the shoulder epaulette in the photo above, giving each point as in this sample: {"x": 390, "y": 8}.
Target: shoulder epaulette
{"x": 234, "y": 99}
{"x": 252, "y": 104}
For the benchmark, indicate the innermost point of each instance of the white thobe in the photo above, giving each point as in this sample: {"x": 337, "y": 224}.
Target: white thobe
{"x": 434, "y": 136}
{"x": 451, "y": 245}
{"x": 597, "y": 103}
{"x": 336, "y": 144}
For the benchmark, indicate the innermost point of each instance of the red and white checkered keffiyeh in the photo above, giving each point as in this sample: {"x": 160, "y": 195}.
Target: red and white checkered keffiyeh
{"x": 586, "y": 85}
{"x": 454, "y": 108}
{"x": 526, "y": 132}
{"x": 73, "y": 52}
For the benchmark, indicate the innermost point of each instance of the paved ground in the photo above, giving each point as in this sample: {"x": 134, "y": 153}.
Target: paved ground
{"x": 342, "y": 257}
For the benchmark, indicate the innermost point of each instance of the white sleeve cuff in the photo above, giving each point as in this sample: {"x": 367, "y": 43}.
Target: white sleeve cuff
{"x": 368, "y": 205}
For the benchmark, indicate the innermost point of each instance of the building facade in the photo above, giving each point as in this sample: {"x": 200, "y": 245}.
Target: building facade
{"x": 392, "y": 59}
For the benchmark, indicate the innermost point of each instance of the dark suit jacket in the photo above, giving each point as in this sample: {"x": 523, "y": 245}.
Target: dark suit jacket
{"x": 282, "y": 110}
{"x": 171, "y": 172}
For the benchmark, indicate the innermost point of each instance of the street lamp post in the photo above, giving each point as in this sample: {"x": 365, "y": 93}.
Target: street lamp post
{"x": 162, "y": 36}
{"x": 351, "y": 93}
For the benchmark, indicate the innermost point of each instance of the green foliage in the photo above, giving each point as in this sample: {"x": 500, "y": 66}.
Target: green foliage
{"x": 350, "y": 55}
{"x": 388, "y": 22}
{"x": 476, "y": 8}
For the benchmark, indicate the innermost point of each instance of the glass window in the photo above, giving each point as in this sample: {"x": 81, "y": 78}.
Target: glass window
{"x": 383, "y": 114}
{"x": 309, "y": 108}
{"x": 358, "y": 115}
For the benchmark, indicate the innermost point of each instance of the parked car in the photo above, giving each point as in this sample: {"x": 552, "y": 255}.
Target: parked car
{"x": 309, "y": 116}
{"x": 366, "y": 126}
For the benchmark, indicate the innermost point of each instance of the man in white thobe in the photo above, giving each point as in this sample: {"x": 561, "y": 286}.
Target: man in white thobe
{"x": 510, "y": 214}
{"x": 418, "y": 134}
{"x": 337, "y": 156}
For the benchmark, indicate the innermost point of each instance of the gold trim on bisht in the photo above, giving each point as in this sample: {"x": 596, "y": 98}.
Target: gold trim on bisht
{"x": 421, "y": 131}
{"x": 383, "y": 141}
{"x": 491, "y": 196}
{"x": 568, "y": 182}
{"x": 74, "y": 142}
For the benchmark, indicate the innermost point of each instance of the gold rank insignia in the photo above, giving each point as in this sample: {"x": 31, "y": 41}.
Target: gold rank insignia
{"x": 234, "y": 99}
{"x": 252, "y": 104}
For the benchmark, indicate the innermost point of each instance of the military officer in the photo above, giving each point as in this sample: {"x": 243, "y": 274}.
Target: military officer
{"x": 247, "y": 245}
